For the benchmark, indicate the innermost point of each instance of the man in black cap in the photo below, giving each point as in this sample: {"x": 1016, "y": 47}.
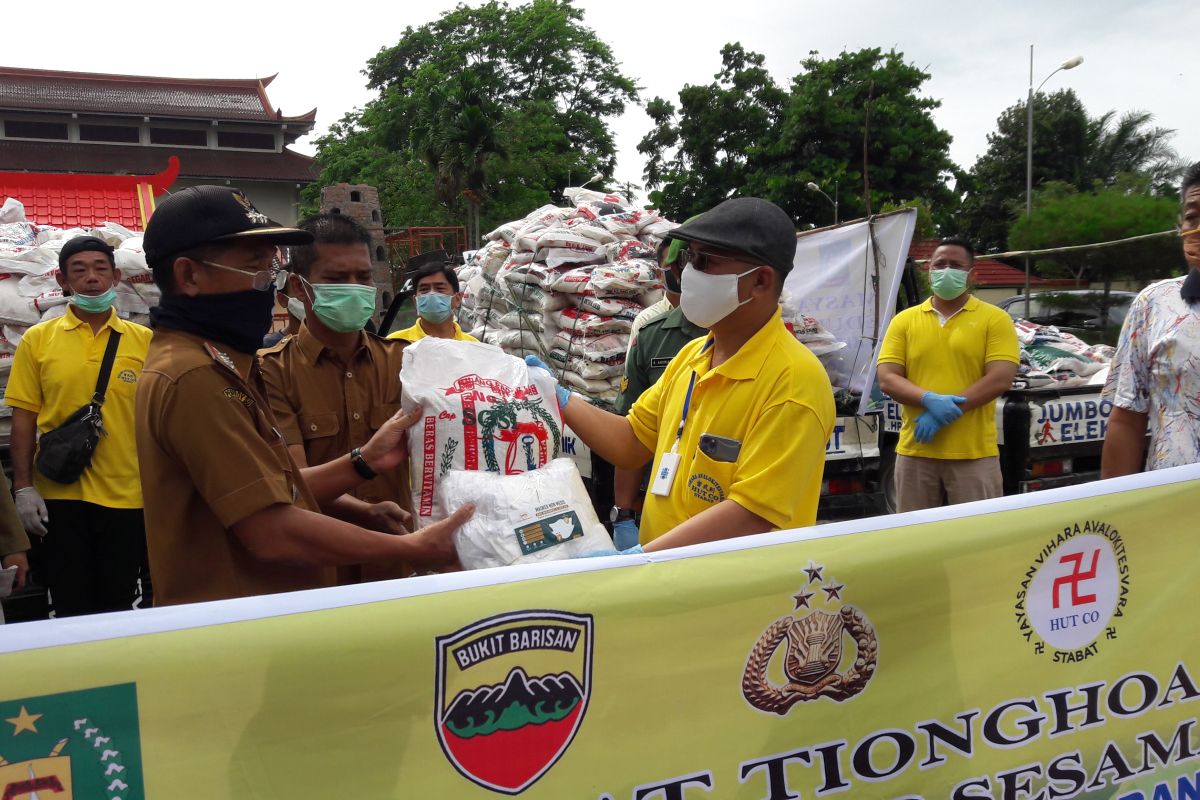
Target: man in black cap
{"x": 738, "y": 423}
{"x": 93, "y": 538}
{"x": 228, "y": 512}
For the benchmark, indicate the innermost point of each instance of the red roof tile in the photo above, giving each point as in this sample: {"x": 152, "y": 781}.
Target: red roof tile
{"x": 988, "y": 272}
{"x": 204, "y": 98}
{"x": 115, "y": 159}
{"x": 69, "y": 201}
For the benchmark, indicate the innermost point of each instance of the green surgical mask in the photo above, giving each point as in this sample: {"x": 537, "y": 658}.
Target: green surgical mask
{"x": 95, "y": 303}
{"x": 948, "y": 283}
{"x": 343, "y": 307}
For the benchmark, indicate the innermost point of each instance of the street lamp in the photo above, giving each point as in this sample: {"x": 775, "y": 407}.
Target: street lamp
{"x": 814, "y": 187}
{"x": 1070, "y": 63}
{"x": 592, "y": 179}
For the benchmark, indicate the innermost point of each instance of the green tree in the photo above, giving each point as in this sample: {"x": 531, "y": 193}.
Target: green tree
{"x": 744, "y": 134}
{"x": 1069, "y": 147}
{"x": 500, "y": 106}
{"x": 1064, "y": 217}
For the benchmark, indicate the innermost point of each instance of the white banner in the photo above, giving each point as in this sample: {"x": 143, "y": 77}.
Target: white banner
{"x": 837, "y": 281}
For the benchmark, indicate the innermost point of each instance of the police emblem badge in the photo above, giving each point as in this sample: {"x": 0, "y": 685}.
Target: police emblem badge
{"x": 814, "y": 649}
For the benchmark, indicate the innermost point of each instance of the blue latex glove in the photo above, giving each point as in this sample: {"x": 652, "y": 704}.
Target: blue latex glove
{"x": 625, "y": 534}
{"x": 926, "y": 428}
{"x": 563, "y": 394}
{"x": 631, "y": 551}
{"x": 943, "y": 407}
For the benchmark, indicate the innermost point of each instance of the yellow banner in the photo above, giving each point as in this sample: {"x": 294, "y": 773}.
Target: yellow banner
{"x": 1040, "y": 647}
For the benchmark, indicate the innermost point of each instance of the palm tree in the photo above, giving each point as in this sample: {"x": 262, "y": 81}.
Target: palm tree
{"x": 1130, "y": 144}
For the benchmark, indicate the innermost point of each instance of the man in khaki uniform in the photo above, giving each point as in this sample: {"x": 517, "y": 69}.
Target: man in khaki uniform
{"x": 332, "y": 384}
{"x": 228, "y": 512}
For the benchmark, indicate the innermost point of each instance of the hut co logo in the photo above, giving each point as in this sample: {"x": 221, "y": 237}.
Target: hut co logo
{"x": 816, "y": 662}
{"x": 83, "y": 744}
{"x": 511, "y": 694}
{"x": 1074, "y": 592}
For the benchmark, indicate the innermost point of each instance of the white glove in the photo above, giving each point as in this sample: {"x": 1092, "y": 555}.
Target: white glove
{"x": 31, "y": 508}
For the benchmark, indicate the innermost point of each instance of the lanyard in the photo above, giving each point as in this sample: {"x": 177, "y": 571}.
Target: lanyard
{"x": 687, "y": 401}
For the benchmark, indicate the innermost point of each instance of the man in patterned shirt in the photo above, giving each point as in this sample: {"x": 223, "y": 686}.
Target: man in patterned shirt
{"x": 1154, "y": 384}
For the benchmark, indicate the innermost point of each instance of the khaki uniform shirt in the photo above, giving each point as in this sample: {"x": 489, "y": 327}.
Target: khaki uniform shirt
{"x": 211, "y": 456}
{"x": 331, "y": 407}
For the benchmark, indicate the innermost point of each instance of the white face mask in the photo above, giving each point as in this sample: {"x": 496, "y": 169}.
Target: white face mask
{"x": 296, "y": 308}
{"x": 707, "y": 299}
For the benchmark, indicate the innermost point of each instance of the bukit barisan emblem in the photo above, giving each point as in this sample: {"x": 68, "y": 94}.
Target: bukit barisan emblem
{"x": 815, "y": 646}
{"x": 511, "y": 694}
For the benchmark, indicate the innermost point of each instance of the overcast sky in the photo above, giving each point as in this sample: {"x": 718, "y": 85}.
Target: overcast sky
{"x": 1138, "y": 55}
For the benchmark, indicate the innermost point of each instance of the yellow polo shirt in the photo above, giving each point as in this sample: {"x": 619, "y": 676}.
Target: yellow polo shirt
{"x": 417, "y": 332}
{"x": 54, "y": 374}
{"x": 773, "y": 396}
{"x": 947, "y": 359}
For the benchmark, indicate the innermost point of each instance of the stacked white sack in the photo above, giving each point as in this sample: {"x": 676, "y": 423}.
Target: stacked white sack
{"x": 565, "y": 284}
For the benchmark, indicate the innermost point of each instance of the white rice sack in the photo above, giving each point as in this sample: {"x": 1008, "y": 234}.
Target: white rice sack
{"x": 589, "y": 387}
{"x": 54, "y": 312}
{"x": 587, "y": 324}
{"x": 625, "y": 279}
{"x": 656, "y": 229}
{"x": 578, "y": 196}
{"x": 483, "y": 410}
{"x": 6, "y": 362}
{"x": 493, "y": 298}
{"x": 535, "y": 299}
{"x": 30, "y": 261}
{"x": 630, "y": 222}
{"x": 537, "y": 274}
{"x": 48, "y": 300}
{"x": 520, "y": 341}
{"x": 10, "y": 337}
{"x": 505, "y": 233}
{"x": 628, "y": 249}
{"x": 14, "y": 307}
{"x": 12, "y": 211}
{"x": 17, "y": 234}
{"x": 492, "y": 258}
{"x": 563, "y": 239}
{"x": 35, "y": 285}
{"x": 592, "y": 229}
{"x": 526, "y": 241}
{"x": 542, "y": 515}
{"x": 523, "y": 320}
{"x": 587, "y": 370}
{"x": 618, "y": 307}
{"x": 573, "y": 281}
{"x": 607, "y": 349}
{"x": 809, "y": 330}
{"x": 557, "y": 258}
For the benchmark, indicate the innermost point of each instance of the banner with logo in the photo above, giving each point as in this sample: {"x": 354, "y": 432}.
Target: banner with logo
{"x": 1041, "y": 646}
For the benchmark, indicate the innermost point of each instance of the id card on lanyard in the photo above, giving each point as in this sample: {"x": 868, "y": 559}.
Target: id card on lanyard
{"x": 668, "y": 463}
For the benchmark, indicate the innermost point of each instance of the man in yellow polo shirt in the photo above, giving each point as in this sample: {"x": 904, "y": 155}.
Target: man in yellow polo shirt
{"x": 93, "y": 535}
{"x": 946, "y": 361}
{"x": 437, "y": 297}
{"x": 737, "y": 424}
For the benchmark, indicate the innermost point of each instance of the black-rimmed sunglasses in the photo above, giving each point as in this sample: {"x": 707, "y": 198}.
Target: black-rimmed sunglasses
{"x": 698, "y": 259}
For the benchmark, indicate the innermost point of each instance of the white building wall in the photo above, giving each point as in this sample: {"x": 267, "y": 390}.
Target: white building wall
{"x": 279, "y": 200}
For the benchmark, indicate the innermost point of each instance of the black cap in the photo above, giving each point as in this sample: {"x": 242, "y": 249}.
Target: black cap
{"x": 749, "y": 225}
{"x": 201, "y": 215}
{"x": 430, "y": 257}
{"x": 84, "y": 244}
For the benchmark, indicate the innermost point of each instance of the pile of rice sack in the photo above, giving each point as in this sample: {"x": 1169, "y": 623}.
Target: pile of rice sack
{"x": 565, "y": 284}
{"x": 1050, "y": 357}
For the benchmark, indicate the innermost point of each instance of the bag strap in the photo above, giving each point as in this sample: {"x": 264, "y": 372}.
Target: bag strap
{"x": 110, "y": 355}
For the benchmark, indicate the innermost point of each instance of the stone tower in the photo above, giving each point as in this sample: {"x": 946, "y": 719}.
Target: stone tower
{"x": 361, "y": 202}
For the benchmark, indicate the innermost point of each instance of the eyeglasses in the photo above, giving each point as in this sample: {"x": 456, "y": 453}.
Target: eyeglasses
{"x": 698, "y": 259}
{"x": 264, "y": 279}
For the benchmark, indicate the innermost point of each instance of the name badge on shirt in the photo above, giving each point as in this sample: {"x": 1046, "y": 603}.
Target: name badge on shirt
{"x": 664, "y": 476}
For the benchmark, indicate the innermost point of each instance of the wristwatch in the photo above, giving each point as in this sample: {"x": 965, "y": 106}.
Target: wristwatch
{"x": 619, "y": 514}
{"x": 361, "y": 466}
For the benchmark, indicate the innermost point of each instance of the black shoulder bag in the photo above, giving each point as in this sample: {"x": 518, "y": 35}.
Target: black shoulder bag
{"x": 65, "y": 452}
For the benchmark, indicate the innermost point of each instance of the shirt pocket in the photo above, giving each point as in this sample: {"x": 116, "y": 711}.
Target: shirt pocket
{"x": 708, "y": 483}
{"x": 319, "y": 426}
{"x": 124, "y": 377}
{"x": 381, "y": 414}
